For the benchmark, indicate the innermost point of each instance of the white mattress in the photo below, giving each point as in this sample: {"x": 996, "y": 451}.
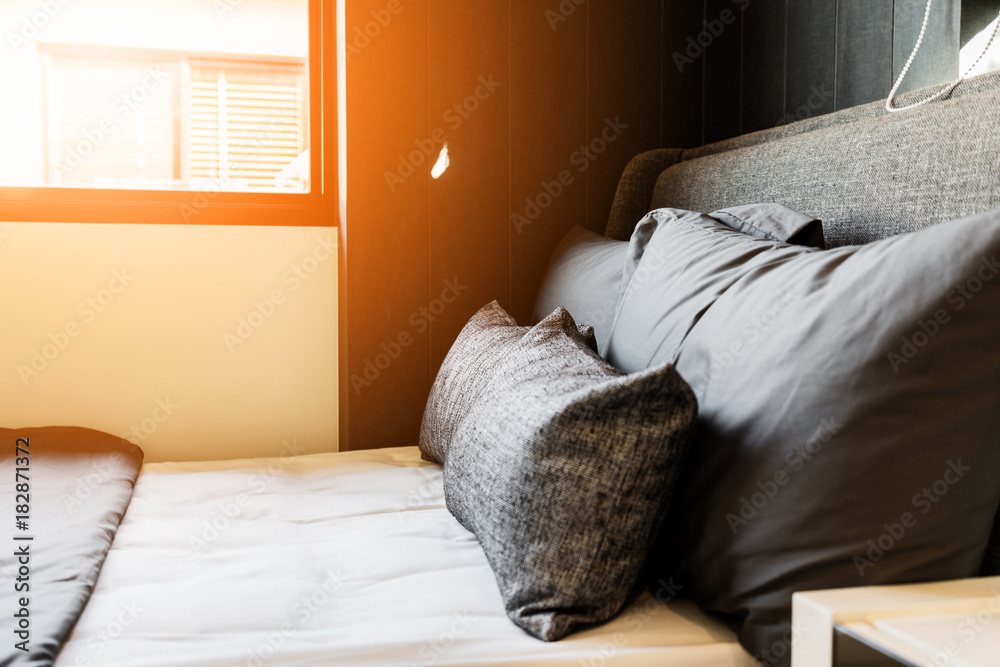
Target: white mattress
{"x": 333, "y": 559}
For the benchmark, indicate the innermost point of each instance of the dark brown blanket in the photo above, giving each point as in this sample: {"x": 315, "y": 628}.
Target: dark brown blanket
{"x": 63, "y": 492}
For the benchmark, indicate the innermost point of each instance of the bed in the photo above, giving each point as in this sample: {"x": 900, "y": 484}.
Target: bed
{"x": 352, "y": 558}
{"x": 346, "y": 559}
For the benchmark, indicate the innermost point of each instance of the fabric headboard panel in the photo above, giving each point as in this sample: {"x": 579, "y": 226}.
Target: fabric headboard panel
{"x": 866, "y": 173}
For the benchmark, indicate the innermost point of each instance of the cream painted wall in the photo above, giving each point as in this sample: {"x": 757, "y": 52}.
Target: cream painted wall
{"x": 149, "y": 332}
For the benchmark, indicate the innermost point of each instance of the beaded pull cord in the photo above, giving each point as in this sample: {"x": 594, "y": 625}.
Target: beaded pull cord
{"x": 889, "y": 106}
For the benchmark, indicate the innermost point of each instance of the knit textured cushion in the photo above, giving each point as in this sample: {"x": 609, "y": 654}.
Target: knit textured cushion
{"x": 561, "y": 465}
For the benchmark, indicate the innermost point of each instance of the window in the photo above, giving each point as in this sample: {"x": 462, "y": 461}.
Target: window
{"x": 207, "y": 111}
{"x": 141, "y": 120}
{"x": 246, "y": 126}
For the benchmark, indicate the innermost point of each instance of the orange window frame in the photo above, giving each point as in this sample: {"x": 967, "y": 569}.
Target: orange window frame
{"x": 316, "y": 208}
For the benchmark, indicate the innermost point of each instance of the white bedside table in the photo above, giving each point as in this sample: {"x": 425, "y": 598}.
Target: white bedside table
{"x": 943, "y": 624}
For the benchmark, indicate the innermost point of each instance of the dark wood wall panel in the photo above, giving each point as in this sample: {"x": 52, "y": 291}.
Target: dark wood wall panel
{"x": 623, "y": 84}
{"x": 764, "y": 45}
{"x": 721, "y": 38}
{"x": 468, "y": 204}
{"x": 802, "y": 58}
{"x": 385, "y": 240}
{"x": 811, "y": 75}
{"x": 937, "y": 60}
{"x": 548, "y": 70}
{"x": 683, "y": 76}
{"x": 864, "y": 51}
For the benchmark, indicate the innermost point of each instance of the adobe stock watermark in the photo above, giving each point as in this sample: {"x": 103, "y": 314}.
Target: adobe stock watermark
{"x": 102, "y": 639}
{"x": 361, "y": 37}
{"x": 420, "y": 320}
{"x": 581, "y": 158}
{"x": 303, "y": 609}
{"x": 562, "y": 12}
{"x": 896, "y": 531}
{"x": 248, "y": 148}
{"x": 817, "y": 98}
{"x": 967, "y": 630}
{"x": 696, "y": 45}
{"x": 635, "y": 619}
{"x": 958, "y": 298}
{"x": 266, "y": 307}
{"x": 454, "y": 118}
{"x": 776, "y": 652}
{"x": 100, "y": 473}
{"x": 32, "y": 25}
{"x": 224, "y": 8}
{"x": 88, "y": 310}
{"x": 234, "y": 508}
{"x": 795, "y": 461}
{"x": 432, "y": 651}
{"x": 749, "y": 333}
{"x": 124, "y": 106}
{"x": 427, "y": 492}
{"x": 138, "y": 433}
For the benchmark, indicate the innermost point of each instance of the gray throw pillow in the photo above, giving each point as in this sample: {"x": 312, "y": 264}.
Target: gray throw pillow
{"x": 849, "y": 407}
{"x": 562, "y": 466}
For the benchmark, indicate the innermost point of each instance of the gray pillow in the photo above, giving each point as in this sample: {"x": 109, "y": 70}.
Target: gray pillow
{"x": 584, "y": 277}
{"x": 849, "y": 407}
{"x": 562, "y": 466}
{"x": 773, "y": 221}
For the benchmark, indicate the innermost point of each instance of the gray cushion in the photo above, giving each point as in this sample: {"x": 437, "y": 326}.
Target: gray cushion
{"x": 463, "y": 377}
{"x": 849, "y": 407}
{"x": 584, "y": 277}
{"x": 563, "y": 467}
{"x": 585, "y": 273}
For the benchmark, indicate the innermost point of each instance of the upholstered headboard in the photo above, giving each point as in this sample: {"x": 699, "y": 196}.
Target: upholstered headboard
{"x": 866, "y": 173}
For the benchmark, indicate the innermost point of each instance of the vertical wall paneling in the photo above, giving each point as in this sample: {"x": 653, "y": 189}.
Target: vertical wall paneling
{"x": 469, "y": 104}
{"x": 548, "y": 126}
{"x": 976, "y": 15}
{"x": 623, "y": 84}
{"x": 937, "y": 60}
{"x": 682, "y": 76}
{"x": 721, "y": 38}
{"x": 764, "y": 41}
{"x": 386, "y": 218}
{"x": 864, "y": 51}
{"x": 812, "y": 59}
{"x": 533, "y": 99}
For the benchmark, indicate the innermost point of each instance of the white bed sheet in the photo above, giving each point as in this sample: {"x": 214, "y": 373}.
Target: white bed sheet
{"x": 333, "y": 559}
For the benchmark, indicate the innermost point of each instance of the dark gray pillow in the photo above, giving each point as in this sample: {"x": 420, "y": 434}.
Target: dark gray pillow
{"x": 562, "y": 466}
{"x": 584, "y": 277}
{"x": 849, "y": 399}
